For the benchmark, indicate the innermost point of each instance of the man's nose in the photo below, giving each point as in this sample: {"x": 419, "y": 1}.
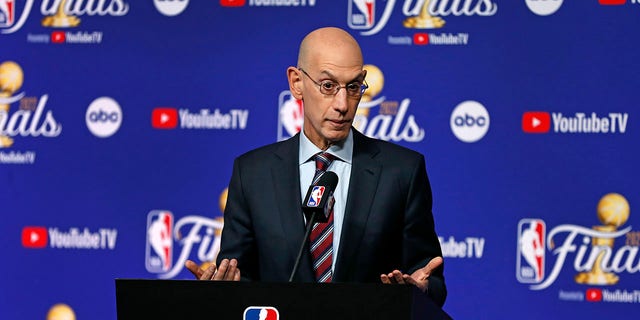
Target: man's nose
{"x": 340, "y": 101}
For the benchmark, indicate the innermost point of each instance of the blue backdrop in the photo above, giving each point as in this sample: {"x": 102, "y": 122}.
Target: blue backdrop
{"x": 120, "y": 120}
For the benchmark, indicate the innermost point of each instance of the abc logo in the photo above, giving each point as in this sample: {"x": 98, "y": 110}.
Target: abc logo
{"x": 171, "y": 7}
{"x": 544, "y": 7}
{"x": 103, "y": 117}
{"x": 469, "y": 121}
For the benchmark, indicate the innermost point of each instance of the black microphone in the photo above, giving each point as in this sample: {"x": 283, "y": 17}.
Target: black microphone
{"x": 319, "y": 199}
{"x": 317, "y": 206}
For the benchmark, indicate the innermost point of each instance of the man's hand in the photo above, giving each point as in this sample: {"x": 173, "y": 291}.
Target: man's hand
{"x": 420, "y": 278}
{"x": 228, "y": 270}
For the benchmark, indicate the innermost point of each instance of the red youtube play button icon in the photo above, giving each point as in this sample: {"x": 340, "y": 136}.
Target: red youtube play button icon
{"x": 164, "y": 118}
{"x": 536, "y": 122}
{"x": 34, "y": 237}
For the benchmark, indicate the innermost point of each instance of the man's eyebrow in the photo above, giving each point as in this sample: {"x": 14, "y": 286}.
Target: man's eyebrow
{"x": 358, "y": 78}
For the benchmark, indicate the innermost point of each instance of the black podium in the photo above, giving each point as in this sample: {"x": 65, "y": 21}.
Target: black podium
{"x": 190, "y": 299}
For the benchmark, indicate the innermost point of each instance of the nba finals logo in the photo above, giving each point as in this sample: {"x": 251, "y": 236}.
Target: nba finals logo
{"x": 530, "y": 259}
{"x": 596, "y": 259}
{"x": 159, "y": 253}
{"x": 28, "y": 117}
{"x": 393, "y": 122}
{"x": 58, "y": 13}
{"x": 421, "y": 14}
{"x": 169, "y": 239}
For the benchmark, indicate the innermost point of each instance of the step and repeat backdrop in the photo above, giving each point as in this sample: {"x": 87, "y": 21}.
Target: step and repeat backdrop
{"x": 120, "y": 120}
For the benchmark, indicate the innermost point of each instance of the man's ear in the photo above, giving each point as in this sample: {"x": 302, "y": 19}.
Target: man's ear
{"x": 295, "y": 82}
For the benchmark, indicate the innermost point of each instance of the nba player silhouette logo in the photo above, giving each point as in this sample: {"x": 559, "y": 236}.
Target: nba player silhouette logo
{"x": 316, "y": 196}
{"x": 531, "y": 251}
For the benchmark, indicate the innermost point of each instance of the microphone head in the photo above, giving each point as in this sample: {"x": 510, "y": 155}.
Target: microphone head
{"x": 328, "y": 179}
{"x": 319, "y": 197}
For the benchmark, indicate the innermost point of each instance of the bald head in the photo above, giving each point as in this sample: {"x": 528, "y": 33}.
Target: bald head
{"x": 329, "y": 44}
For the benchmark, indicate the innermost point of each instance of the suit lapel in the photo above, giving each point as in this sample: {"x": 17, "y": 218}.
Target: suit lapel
{"x": 286, "y": 177}
{"x": 363, "y": 183}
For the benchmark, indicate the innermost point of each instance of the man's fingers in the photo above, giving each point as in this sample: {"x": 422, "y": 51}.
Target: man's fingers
{"x": 392, "y": 278}
{"x": 231, "y": 271}
{"x": 385, "y": 279}
{"x": 193, "y": 268}
{"x": 408, "y": 279}
{"x": 222, "y": 270}
{"x": 397, "y": 276}
{"x": 228, "y": 270}
{"x": 209, "y": 272}
{"x": 432, "y": 265}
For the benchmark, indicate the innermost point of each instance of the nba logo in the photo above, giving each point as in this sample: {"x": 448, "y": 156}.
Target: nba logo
{"x": 290, "y": 115}
{"x": 361, "y": 14}
{"x": 531, "y": 251}
{"x": 7, "y": 12}
{"x": 261, "y": 313}
{"x": 316, "y": 196}
{"x": 159, "y": 252}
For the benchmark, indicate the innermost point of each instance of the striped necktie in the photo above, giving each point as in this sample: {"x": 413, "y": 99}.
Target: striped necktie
{"x": 321, "y": 237}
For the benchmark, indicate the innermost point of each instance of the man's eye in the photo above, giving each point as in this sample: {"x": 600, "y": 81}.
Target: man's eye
{"x": 328, "y": 85}
{"x": 353, "y": 87}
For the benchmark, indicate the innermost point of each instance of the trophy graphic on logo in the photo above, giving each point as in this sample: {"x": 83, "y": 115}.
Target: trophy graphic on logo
{"x": 424, "y": 20}
{"x": 11, "y": 79}
{"x": 613, "y": 211}
{"x": 375, "y": 80}
{"x": 61, "y": 19}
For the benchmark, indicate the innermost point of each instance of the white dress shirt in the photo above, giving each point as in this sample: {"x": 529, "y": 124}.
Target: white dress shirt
{"x": 341, "y": 166}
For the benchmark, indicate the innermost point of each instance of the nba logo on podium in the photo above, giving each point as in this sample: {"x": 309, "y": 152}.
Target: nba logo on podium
{"x": 7, "y": 12}
{"x": 261, "y": 313}
{"x": 531, "y": 251}
{"x": 159, "y": 251}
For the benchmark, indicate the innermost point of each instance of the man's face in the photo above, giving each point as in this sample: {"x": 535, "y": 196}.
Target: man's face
{"x": 329, "y": 58}
{"x": 328, "y": 117}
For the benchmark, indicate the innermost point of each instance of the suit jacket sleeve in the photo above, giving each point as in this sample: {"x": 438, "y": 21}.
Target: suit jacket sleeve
{"x": 421, "y": 243}
{"x": 238, "y": 236}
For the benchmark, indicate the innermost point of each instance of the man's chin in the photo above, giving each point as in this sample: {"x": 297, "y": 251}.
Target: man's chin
{"x": 337, "y": 136}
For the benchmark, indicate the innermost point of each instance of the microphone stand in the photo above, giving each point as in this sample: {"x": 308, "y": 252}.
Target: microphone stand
{"x": 310, "y": 224}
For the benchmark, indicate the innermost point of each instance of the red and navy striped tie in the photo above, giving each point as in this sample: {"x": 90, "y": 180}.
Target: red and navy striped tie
{"x": 321, "y": 237}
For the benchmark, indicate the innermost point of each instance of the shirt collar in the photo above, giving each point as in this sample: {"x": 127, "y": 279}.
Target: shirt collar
{"x": 342, "y": 150}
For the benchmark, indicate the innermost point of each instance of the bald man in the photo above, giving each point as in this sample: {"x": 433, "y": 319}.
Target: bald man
{"x": 382, "y": 226}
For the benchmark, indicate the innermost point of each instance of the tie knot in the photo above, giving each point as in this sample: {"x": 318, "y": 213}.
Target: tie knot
{"x": 323, "y": 160}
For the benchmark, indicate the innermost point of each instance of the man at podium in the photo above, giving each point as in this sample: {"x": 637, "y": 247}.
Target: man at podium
{"x": 380, "y": 227}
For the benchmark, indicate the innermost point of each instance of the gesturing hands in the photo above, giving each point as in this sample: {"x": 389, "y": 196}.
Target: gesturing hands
{"x": 227, "y": 271}
{"x": 420, "y": 278}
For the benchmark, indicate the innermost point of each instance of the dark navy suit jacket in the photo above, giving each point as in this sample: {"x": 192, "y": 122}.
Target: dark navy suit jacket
{"x": 388, "y": 222}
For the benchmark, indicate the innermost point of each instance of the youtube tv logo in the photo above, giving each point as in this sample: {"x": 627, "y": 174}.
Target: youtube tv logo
{"x": 612, "y": 2}
{"x": 164, "y": 118}
{"x": 421, "y": 39}
{"x": 593, "y": 295}
{"x": 536, "y": 122}
{"x": 232, "y": 3}
{"x": 34, "y": 237}
{"x": 58, "y": 37}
